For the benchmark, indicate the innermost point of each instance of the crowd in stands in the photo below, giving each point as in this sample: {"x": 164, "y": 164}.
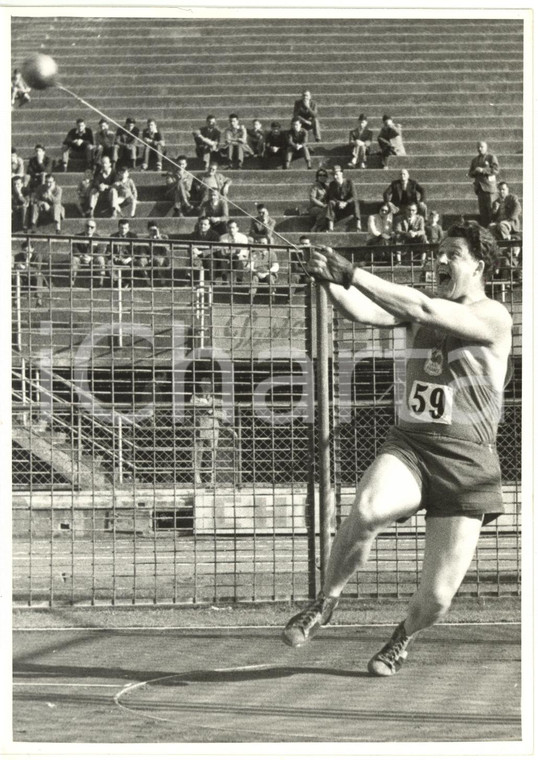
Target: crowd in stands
{"x": 108, "y": 189}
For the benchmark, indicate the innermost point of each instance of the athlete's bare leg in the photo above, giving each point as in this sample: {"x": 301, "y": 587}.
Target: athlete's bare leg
{"x": 387, "y": 492}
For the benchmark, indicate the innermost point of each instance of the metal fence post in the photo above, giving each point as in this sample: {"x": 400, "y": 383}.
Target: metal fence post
{"x": 324, "y": 432}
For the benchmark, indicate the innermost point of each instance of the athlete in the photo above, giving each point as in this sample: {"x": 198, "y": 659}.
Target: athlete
{"x": 441, "y": 454}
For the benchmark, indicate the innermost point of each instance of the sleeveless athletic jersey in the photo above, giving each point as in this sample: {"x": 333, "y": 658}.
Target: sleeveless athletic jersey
{"x": 447, "y": 390}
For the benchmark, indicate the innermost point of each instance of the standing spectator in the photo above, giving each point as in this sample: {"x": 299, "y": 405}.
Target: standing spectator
{"x": 79, "y": 143}
{"x": 403, "y": 191}
{"x": 126, "y": 144}
{"x": 433, "y": 230}
{"x": 17, "y": 164}
{"x": 318, "y": 201}
{"x": 212, "y": 179}
{"x": 122, "y": 254}
{"x": 263, "y": 226}
{"x": 275, "y": 145}
{"x": 342, "y": 200}
{"x": 506, "y": 213}
{"x": 206, "y": 256}
{"x": 484, "y": 170}
{"x": 20, "y": 92}
{"x": 235, "y": 138}
{"x": 216, "y": 210}
{"x": 19, "y": 204}
{"x": 154, "y": 140}
{"x": 180, "y": 188}
{"x": 297, "y": 144}
{"x": 206, "y": 425}
{"x": 88, "y": 252}
{"x": 390, "y": 140}
{"x": 256, "y": 138}
{"x": 123, "y": 191}
{"x": 381, "y": 227}
{"x": 39, "y": 166}
{"x": 47, "y": 202}
{"x": 263, "y": 268}
{"x": 234, "y": 258}
{"x": 361, "y": 139}
{"x": 207, "y": 141}
{"x": 155, "y": 257}
{"x": 102, "y": 183}
{"x": 29, "y": 263}
{"x": 411, "y": 228}
{"x": 306, "y": 111}
{"x": 104, "y": 143}
{"x": 84, "y": 193}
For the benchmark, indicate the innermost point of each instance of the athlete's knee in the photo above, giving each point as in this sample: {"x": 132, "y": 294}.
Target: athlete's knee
{"x": 367, "y": 511}
{"x": 432, "y": 605}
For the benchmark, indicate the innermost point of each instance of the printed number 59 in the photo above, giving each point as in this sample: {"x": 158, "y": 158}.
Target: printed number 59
{"x": 426, "y": 398}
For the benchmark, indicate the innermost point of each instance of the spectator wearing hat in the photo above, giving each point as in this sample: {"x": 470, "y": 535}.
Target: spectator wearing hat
{"x": 154, "y": 145}
{"x": 236, "y": 142}
{"x": 17, "y": 164}
{"x": 46, "y": 204}
{"x": 88, "y": 252}
{"x": 79, "y": 143}
{"x": 274, "y": 151}
{"x": 361, "y": 139}
{"x": 342, "y": 200}
{"x": 317, "y": 209}
{"x": 484, "y": 170}
{"x": 297, "y": 144}
{"x": 403, "y": 191}
{"x": 381, "y": 227}
{"x": 39, "y": 166}
{"x": 126, "y": 143}
{"x": 19, "y": 204}
{"x": 207, "y": 141}
{"x": 263, "y": 225}
{"x": 390, "y": 140}
{"x": 215, "y": 208}
{"x": 306, "y": 111}
{"x": 104, "y": 143}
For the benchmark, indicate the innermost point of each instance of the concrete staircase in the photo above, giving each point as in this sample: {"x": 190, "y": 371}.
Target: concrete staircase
{"x": 448, "y": 82}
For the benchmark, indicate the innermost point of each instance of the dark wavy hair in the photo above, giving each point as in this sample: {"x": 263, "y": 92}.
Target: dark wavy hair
{"x": 481, "y": 243}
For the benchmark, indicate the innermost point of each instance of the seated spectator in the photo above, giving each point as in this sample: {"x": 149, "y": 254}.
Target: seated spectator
{"x": 236, "y": 142}
{"x": 38, "y": 167}
{"x": 78, "y": 143}
{"x": 275, "y": 145}
{"x": 105, "y": 140}
{"x": 341, "y": 200}
{"x": 206, "y": 256}
{"x": 297, "y": 144}
{"x": 17, "y": 164}
{"x": 411, "y": 228}
{"x": 123, "y": 191}
{"x": 46, "y": 204}
{"x": 256, "y": 138}
{"x": 154, "y": 260}
{"x": 84, "y": 193}
{"x": 102, "y": 183}
{"x": 263, "y": 226}
{"x": 506, "y": 214}
{"x": 381, "y": 227}
{"x": 404, "y": 191}
{"x": 433, "y": 230}
{"x": 154, "y": 147}
{"x": 390, "y": 140}
{"x": 207, "y": 141}
{"x": 306, "y": 111}
{"x": 262, "y": 268}
{"x": 19, "y": 204}
{"x": 216, "y": 210}
{"x": 180, "y": 188}
{"x": 20, "y": 92}
{"x": 299, "y": 257}
{"x": 361, "y": 139}
{"x": 122, "y": 255}
{"x": 212, "y": 179}
{"x": 234, "y": 257}
{"x": 29, "y": 263}
{"x": 126, "y": 144}
{"x": 88, "y": 252}
{"x": 318, "y": 201}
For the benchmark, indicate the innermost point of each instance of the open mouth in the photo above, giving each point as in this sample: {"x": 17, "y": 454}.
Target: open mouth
{"x": 443, "y": 277}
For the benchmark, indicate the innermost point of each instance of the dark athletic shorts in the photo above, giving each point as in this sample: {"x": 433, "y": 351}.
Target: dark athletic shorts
{"x": 456, "y": 477}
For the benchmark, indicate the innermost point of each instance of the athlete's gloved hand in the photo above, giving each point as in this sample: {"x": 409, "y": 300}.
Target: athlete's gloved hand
{"x": 328, "y": 266}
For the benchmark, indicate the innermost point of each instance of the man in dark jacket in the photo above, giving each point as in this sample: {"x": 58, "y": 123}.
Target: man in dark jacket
{"x": 306, "y": 110}
{"x": 361, "y": 139}
{"x": 404, "y": 191}
{"x": 341, "y": 200}
{"x": 78, "y": 142}
{"x": 484, "y": 170}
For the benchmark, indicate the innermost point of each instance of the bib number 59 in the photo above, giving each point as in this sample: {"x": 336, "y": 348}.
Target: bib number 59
{"x": 431, "y": 403}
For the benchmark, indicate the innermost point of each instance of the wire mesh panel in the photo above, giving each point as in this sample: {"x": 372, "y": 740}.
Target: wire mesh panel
{"x": 365, "y": 379}
{"x": 162, "y": 422}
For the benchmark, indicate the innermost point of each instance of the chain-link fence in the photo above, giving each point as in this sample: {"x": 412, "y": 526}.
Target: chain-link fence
{"x": 165, "y": 412}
